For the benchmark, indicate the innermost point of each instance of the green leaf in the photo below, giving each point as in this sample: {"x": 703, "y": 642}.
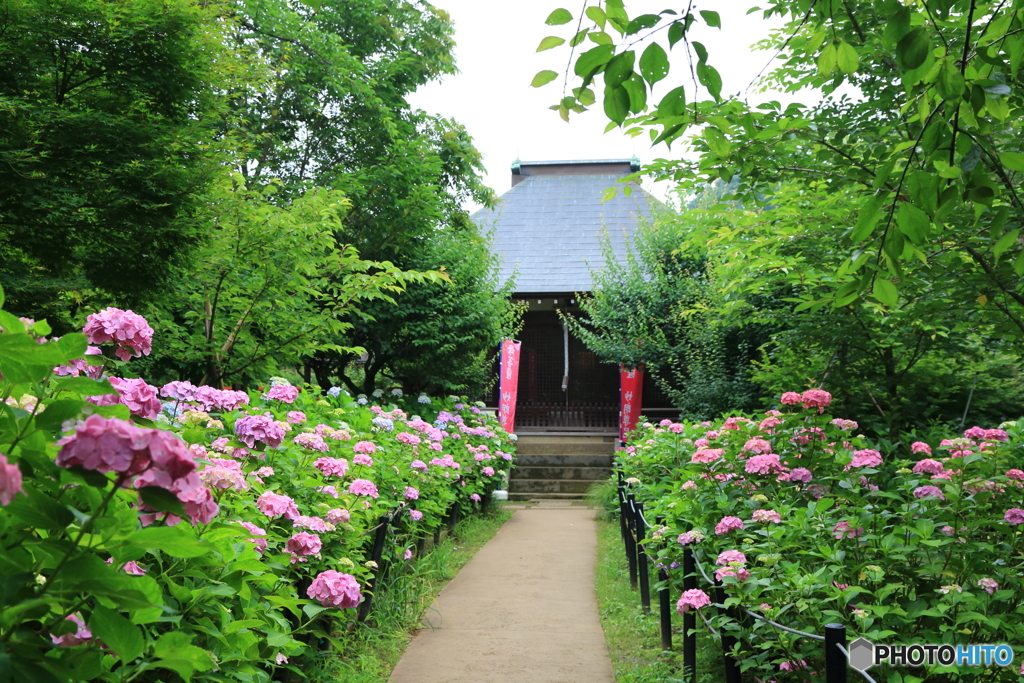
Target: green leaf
{"x": 597, "y": 15}
{"x": 591, "y": 61}
{"x": 543, "y": 78}
{"x": 58, "y": 412}
{"x": 559, "y": 16}
{"x": 885, "y": 291}
{"x": 616, "y": 103}
{"x": 85, "y": 386}
{"x": 119, "y": 634}
{"x": 913, "y": 49}
{"x": 637, "y": 93}
{"x": 176, "y": 652}
{"x": 710, "y": 79}
{"x": 547, "y": 44}
{"x": 642, "y": 22}
{"x": 702, "y": 52}
{"x": 676, "y": 32}
{"x": 173, "y": 540}
{"x": 654, "y": 63}
{"x": 161, "y": 500}
{"x": 846, "y": 58}
{"x": 711, "y": 18}
{"x": 827, "y": 59}
{"x": 38, "y": 510}
{"x": 10, "y": 324}
{"x": 674, "y": 103}
{"x": 950, "y": 83}
{"x": 1018, "y": 264}
{"x": 73, "y": 345}
{"x": 1005, "y": 242}
{"x": 897, "y": 25}
{"x": 913, "y": 222}
{"x": 619, "y": 69}
{"x": 1012, "y": 160}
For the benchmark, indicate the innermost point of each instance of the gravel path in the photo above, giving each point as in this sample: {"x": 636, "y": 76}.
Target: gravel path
{"x": 523, "y": 610}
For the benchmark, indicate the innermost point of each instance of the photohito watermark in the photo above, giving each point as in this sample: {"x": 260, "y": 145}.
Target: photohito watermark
{"x": 865, "y": 654}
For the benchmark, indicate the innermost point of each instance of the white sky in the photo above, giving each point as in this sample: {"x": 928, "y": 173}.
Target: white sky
{"x": 492, "y": 97}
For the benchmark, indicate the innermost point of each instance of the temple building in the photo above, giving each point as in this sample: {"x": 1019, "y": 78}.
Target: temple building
{"x": 549, "y": 230}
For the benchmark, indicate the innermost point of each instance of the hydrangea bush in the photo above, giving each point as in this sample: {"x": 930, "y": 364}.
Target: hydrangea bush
{"x": 806, "y": 523}
{"x": 217, "y": 534}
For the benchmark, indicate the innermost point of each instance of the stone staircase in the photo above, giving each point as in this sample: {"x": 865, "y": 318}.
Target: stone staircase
{"x": 560, "y": 465}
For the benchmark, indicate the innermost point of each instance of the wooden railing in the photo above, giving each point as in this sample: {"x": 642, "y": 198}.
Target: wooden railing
{"x": 604, "y": 416}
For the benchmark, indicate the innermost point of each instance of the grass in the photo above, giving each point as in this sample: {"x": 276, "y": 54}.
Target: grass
{"x": 634, "y": 640}
{"x": 374, "y": 649}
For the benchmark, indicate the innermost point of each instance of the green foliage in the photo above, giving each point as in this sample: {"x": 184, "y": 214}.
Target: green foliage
{"x": 440, "y": 337}
{"x": 873, "y": 542}
{"x": 658, "y": 310}
{"x": 270, "y": 286}
{"x": 926, "y": 155}
{"x": 105, "y": 149}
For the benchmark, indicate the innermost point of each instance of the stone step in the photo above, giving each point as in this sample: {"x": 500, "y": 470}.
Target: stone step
{"x": 582, "y": 473}
{"x": 564, "y": 460}
{"x": 545, "y": 496}
{"x": 553, "y": 447}
{"x": 544, "y": 486}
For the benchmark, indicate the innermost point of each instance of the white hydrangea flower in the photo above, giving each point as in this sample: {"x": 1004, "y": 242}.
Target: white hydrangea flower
{"x": 423, "y": 399}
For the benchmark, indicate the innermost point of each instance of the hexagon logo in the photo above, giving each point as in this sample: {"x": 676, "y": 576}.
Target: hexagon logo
{"x": 862, "y": 654}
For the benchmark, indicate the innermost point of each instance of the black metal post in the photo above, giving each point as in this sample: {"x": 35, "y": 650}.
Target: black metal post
{"x": 732, "y": 667}
{"x": 629, "y": 508}
{"x": 378, "y": 553}
{"x": 641, "y": 560}
{"x": 664, "y": 604}
{"x": 453, "y": 519}
{"x": 835, "y": 659}
{"x": 623, "y": 523}
{"x": 689, "y": 620}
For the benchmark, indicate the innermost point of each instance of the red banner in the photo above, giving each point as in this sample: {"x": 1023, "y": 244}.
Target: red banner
{"x": 630, "y": 399}
{"x": 508, "y": 385}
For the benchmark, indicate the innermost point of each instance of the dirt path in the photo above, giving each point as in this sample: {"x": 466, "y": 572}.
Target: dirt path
{"x": 523, "y": 610}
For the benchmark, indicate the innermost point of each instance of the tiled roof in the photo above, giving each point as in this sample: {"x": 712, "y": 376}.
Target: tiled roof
{"x": 549, "y": 229}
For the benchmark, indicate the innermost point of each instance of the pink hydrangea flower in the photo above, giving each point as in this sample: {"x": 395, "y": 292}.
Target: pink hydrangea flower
{"x": 791, "y": 398}
{"x": 419, "y": 465}
{"x": 475, "y": 497}
{"x": 81, "y": 636}
{"x": 415, "y": 515}
{"x": 283, "y": 392}
{"x": 112, "y": 445}
{"x": 253, "y": 428}
{"x": 260, "y": 543}
{"x": 767, "y": 516}
{"x": 367, "y": 447}
{"x": 130, "y": 567}
{"x": 328, "y": 490}
{"x": 707, "y": 455}
{"x": 865, "y": 458}
{"x": 406, "y": 437}
{"x": 140, "y": 397}
{"x": 688, "y": 485}
{"x": 764, "y": 464}
{"x": 128, "y": 330}
{"x": 303, "y": 544}
{"x": 728, "y": 524}
{"x": 769, "y": 424}
{"x": 929, "y": 492}
{"x": 845, "y": 425}
{"x": 275, "y": 505}
{"x": 80, "y": 366}
{"x": 990, "y": 586}
{"x": 727, "y": 556}
{"x": 411, "y": 493}
{"x": 363, "y": 487}
{"x": 222, "y": 477}
{"x": 334, "y": 589}
{"x": 181, "y": 391}
{"x": 800, "y": 474}
{"x": 296, "y": 417}
{"x": 1014, "y": 516}
{"x": 675, "y": 428}
{"x": 362, "y": 459}
{"x": 740, "y": 573}
{"x": 692, "y": 599}
{"x": 996, "y": 435}
{"x": 976, "y": 433}
{"x": 816, "y": 398}
{"x": 793, "y": 666}
{"x": 10, "y": 481}
{"x": 1015, "y": 474}
{"x": 757, "y": 446}
{"x": 338, "y": 516}
{"x": 928, "y": 466}
{"x": 488, "y": 471}
{"x": 311, "y": 442}
{"x": 920, "y": 447}
{"x": 311, "y": 523}
{"x": 845, "y": 530}
{"x": 332, "y": 467}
